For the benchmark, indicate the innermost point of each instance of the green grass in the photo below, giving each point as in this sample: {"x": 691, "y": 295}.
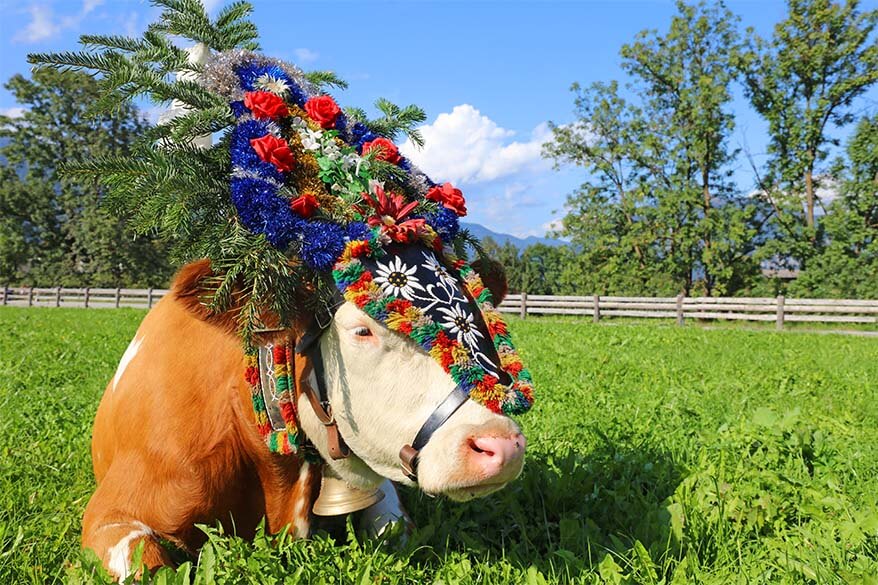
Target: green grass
{"x": 656, "y": 455}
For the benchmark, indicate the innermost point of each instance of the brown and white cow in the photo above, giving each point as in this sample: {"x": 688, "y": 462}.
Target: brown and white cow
{"x": 175, "y": 442}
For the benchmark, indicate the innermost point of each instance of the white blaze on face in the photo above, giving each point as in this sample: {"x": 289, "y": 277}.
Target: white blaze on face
{"x": 382, "y": 387}
{"x": 129, "y": 354}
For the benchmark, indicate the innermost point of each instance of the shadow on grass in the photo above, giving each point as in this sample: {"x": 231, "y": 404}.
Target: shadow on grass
{"x": 563, "y": 514}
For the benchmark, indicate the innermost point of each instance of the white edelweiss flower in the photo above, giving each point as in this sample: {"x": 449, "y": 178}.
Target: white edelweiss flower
{"x": 297, "y": 123}
{"x": 461, "y": 324}
{"x": 272, "y": 84}
{"x": 437, "y": 268}
{"x": 310, "y": 138}
{"x": 398, "y": 279}
{"x": 331, "y": 151}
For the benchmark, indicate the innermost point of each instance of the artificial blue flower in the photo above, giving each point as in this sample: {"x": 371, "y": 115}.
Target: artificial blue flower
{"x": 445, "y": 223}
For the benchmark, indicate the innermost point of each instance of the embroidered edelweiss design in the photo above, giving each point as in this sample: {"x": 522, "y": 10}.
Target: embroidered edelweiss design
{"x": 460, "y": 323}
{"x": 433, "y": 265}
{"x": 398, "y": 279}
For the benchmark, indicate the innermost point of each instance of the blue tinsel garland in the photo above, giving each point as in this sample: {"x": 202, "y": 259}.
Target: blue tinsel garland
{"x": 242, "y": 153}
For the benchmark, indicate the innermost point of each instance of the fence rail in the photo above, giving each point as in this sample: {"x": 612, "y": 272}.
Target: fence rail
{"x": 90, "y": 298}
{"x": 778, "y": 309}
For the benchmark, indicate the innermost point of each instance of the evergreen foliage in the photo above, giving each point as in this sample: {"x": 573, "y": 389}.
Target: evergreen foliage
{"x": 175, "y": 187}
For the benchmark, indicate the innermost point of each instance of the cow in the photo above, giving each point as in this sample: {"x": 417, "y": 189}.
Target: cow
{"x": 175, "y": 443}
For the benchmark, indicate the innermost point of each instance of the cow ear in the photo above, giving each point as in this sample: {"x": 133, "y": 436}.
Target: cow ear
{"x": 188, "y": 290}
{"x": 493, "y": 276}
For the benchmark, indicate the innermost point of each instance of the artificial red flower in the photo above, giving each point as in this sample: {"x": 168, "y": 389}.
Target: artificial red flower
{"x": 387, "y": 150}
{"x": 266, "y": 105}
{"x": 448, "y": 196}
{"x": 275, "y": 151}
{"x": 390, "y": 212}
{"x": 323, "y": 110}
{"x": 305, "y": 205}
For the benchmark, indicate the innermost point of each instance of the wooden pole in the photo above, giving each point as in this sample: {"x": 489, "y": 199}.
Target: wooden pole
{"x": 596, "y": 316}
{"x": 680, "y": 319}
{"x": 57, "y": 296}
{"x": 523, "y": 312}
{"x": 118, "y": 296}
{"x": 149, "y": 298}
{"x": 30, "y": 297}
{"x": 6, "y": 294}
{"x": 86, "y": 297}
{"x": 780, "y": 312}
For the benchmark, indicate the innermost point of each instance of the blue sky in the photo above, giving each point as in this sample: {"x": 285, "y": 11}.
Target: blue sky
{"x": 489, "y": 75}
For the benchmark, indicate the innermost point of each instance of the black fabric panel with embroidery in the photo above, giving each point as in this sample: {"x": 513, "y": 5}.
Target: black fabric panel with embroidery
{"x": 415, "y": 273}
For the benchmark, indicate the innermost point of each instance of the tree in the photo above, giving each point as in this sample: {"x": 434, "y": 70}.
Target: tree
{"x": 658, "y": 205}
{"x": 848, "y": 265}
{"x": 53, "y": 230}
{"x": 802, "y": 80}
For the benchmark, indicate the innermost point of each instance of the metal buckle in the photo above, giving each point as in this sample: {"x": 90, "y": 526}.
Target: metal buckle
{"x": 327, "y": 408}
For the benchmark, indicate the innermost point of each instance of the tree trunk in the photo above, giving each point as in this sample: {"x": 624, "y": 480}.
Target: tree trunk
{"x": 809, "y": 191}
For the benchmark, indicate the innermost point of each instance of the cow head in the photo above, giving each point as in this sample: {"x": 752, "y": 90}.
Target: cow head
{"x": 383, "y": 386}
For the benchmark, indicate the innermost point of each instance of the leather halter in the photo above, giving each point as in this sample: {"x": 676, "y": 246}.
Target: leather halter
{"x": 309, "y": 345}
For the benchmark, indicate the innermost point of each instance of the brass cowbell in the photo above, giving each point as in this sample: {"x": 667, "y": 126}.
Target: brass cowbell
{"x": 337, "y": 497}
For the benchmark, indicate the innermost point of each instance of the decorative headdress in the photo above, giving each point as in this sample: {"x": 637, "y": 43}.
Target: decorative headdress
{"x": 296, "y": 195}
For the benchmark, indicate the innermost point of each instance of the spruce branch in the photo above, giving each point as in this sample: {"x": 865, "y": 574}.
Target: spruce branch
{"x": 324, "y": 79}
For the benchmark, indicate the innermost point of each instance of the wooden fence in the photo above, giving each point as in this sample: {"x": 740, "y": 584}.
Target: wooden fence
{"x": 780, "y": 310}
{"x": 90, "y": 298}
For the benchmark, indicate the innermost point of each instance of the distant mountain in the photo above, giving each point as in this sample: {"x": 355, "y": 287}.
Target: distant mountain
{"x": 481, "y": 232}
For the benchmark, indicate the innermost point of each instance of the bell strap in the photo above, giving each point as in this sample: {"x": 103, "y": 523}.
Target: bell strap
{"x": 336, "y": 446}
{"x": 409, "y": 454}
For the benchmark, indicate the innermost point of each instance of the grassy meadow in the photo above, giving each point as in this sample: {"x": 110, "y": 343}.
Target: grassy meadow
{"x": 657, "y": 455}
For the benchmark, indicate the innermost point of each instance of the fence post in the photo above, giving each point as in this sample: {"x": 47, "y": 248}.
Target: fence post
{"x": 149, "y": 298}
{"x": 680, "y": 298}
{"x": 57, "y": 296}
{"x": 523, "y": 311}
{"x": 87, "y": 291}
{"x": 5, "y": 294}
{"x": 596, "y": 301}
{"x": 30, "y": 297}
{"x": 118, "y": 291}
{"x": 780, "y": 312}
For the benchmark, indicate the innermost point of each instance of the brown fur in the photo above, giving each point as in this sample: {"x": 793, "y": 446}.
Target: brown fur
{"x": 202, "y": 460}
{"x": 175, "y": 443}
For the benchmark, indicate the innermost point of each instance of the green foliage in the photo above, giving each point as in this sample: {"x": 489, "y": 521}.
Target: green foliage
{"x": 655, "y": 454}
{"x": 802, "y": 80}
{"x": 847, "y": 266}
{"x": 168, "y": 185}
{"x": 54, "y": 229}
{"x": 658, "y": 212}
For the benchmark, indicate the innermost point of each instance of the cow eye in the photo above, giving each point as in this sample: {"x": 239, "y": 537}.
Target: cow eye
{"x": 362, "y": 332}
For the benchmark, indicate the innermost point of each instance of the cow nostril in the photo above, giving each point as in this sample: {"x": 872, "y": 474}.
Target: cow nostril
{"x": 475, "y": 447}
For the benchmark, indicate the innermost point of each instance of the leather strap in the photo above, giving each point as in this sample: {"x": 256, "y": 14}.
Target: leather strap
{"x": 409, "y": 454}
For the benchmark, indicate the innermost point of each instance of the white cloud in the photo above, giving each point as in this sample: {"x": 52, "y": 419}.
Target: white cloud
{"x": 44, "y": 25}
{"x": 305, "y": 55}
{"x": 465, "y": 146}
{"x": 13, "y": 112}
{"x": 556, "y": 225}
{"x": 40, "y": 27}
